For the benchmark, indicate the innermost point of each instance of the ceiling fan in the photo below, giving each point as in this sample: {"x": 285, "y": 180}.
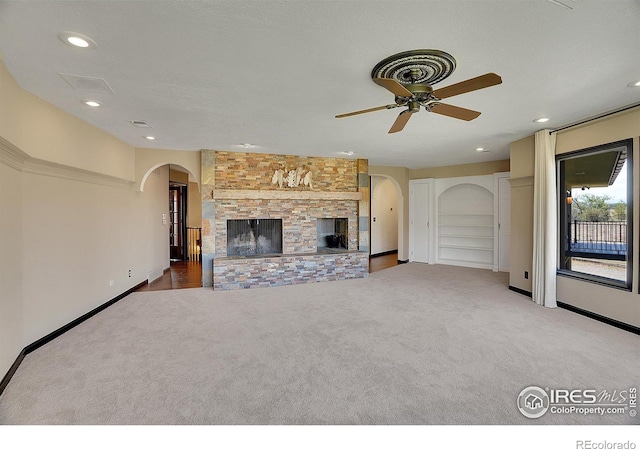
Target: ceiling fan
{"x": 410, "y": 75}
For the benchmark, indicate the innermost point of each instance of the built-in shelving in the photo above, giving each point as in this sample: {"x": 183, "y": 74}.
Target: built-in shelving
{"x": 465, "y": 233}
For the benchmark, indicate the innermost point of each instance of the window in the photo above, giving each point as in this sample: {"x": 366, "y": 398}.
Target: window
{"x": 596, "y": 203}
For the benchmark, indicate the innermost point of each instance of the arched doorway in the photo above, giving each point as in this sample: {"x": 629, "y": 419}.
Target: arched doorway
{"x": 183, "y": 225}
{"x": 386, "y": 217}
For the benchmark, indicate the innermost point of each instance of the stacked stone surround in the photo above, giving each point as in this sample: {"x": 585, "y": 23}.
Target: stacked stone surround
{"x": 299, "y": 220}
{"x": 253, "y": 171}
{"x": 239, "y": 186}
{"x": 363, "y": 205}
{"x": 236, "y": 274}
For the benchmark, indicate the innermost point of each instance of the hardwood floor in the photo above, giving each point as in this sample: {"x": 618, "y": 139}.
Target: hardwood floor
{"x": 377, "y": 263}
{"x": 189, "y": 274}
{"x": 180, "y": 275}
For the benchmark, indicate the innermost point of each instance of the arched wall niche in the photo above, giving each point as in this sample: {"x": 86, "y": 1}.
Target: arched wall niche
{"x": 465, "y": 234}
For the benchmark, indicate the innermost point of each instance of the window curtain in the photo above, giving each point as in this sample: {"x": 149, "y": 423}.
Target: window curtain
{"x": 545, "y": 220}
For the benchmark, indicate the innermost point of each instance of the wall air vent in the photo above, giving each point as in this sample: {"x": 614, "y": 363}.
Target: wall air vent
{"x": 80, "y": 82}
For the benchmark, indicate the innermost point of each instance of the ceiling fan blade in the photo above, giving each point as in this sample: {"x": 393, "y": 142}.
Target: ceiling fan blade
{"x": 393, "y": 86}
{"x": 364, "y": 111}
{"x": 454, "y": 111}
{"x": 402, "y": 120}
{"x": 480, "y": 82}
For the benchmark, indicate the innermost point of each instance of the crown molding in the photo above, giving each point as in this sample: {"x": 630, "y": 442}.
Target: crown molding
{"x": 524, "y": 181}
{"x": 14, "y": 157}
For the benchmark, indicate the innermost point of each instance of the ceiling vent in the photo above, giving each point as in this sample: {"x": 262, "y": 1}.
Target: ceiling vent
{"x": 87, "y": 83}
{"x": 139, "y": 123}
{"x": 565, "y": 3}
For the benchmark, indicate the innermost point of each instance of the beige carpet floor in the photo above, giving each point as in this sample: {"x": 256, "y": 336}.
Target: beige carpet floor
{"x": 413, "y": 344}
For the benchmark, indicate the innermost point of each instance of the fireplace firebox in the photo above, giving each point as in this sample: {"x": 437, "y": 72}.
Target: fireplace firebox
{"x": 332, "y": 234}
{"x": 254, "y": 237}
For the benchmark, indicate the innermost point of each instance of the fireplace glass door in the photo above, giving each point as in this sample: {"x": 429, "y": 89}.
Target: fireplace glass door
{"x": 332, "y": 234}
{"x": 254, "y": 236}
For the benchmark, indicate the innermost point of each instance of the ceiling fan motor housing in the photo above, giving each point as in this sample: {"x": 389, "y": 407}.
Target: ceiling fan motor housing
{"x": 414, "y": 106}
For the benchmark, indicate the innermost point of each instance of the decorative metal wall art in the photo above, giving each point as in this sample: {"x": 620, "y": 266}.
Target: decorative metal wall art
{"x": 292, "y": 178}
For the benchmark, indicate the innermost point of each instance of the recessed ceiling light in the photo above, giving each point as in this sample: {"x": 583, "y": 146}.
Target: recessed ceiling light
{"x": 634, "y": 84}
{"x": 76, "y": 39}
{"x": 246, "y": 145}
{"x": 347, "y": 153}
{"x": 479, "y": 149}
{"x": 149, "y": 137}
{"x": 92, "y": 103}
{"x": 541, "y": 120}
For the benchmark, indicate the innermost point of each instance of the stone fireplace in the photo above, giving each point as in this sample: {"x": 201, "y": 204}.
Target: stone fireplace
{"x": 278, "y": 220}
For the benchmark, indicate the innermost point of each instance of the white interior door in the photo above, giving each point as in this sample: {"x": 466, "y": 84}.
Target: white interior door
{"x": 419, "y": 222}
{"x": 504, "y": 223}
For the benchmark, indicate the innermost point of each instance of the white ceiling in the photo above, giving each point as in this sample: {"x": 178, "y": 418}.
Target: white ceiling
{"x": 216, "y": 74}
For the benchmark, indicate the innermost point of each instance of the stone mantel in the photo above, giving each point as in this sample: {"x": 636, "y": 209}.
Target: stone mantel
{"x": 284, "y": 195}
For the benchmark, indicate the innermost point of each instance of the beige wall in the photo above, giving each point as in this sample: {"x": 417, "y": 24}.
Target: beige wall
{"x": 78, "y": 237}
{"x": 522, "y": 157}
{"x": 45, "y": 132}
{"x": 178, "y": 176}
{"x": 73, "y": 221}
{"x": 620, "y": 305}
{"x": 521, "y": 243}
{"x": 400, "y": 178}
{"x": 194, "y": 206}
{"x": 11, "y": 316}
{"x": 455, "y": 171}
{"x": 384, "y": 215}
{"x": 611, "y": 129}
{"x": 148, "y": 159}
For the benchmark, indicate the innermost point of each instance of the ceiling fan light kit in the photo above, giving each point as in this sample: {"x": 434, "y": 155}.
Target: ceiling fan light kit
{"x": 410, "y": 75}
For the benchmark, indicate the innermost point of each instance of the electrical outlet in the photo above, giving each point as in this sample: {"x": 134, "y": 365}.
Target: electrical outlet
{"x": 111, "y": 283}
{"x": 526, "y": 275}
{"x": 130, "y": 273}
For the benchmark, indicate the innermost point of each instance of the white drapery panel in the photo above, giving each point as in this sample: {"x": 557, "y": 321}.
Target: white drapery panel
{"x": 545, "y": 220}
